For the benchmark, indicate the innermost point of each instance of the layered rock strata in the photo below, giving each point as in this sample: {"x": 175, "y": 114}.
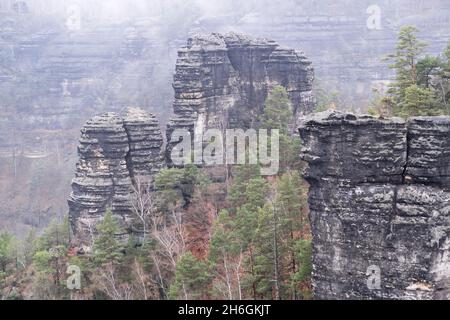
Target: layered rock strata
{"x": 222, "y": 81}
{"x": 379, "y": 206}
{"x": 145, "y": 141}
{"x": 113, "y": 151}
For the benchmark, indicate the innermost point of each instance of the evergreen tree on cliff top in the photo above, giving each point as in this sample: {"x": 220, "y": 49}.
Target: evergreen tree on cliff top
{"x": 415, "y": 91}
{"x": 279, "y": 114}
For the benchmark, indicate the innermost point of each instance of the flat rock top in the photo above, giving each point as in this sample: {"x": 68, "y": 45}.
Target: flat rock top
{"x": 239, "y": 39}
{"x": 137, "y": 116}
{"x": 437, "y": 120}
{"x": 217, "y": 42}
{"x": 107, "y": 121}
{"x": 213, "y": 41}
{"x": 339, "y": 117}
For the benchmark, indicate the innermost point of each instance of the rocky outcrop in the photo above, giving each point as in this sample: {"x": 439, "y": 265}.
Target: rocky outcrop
{"x": 113, "y": 151}
{"x": 379, "y": 206}
{"x": 222, "y": 81}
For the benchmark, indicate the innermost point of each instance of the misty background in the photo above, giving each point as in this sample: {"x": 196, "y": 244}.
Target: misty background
{"x": 62, "y": 62}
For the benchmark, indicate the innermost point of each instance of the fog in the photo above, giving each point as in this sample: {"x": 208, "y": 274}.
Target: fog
{"x": 102, "y": 11}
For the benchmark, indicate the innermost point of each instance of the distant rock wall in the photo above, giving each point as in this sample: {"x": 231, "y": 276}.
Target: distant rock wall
{"x": 347, "y": 39}
{"x": 379, "y": 204}
{"x": 52, "y": 80}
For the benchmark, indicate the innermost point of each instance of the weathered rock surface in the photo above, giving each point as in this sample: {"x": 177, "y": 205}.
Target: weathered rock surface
{"x": 222, "y": 81}
{"x": 113, "y": 151}
{"x": 429, "y": 151}
{"x": 379, "y": 196}
{"x": 145, "y": 141}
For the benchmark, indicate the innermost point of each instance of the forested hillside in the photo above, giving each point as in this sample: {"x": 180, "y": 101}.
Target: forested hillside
{"x": 250, "y": 242}
{"x": 361, "y": 187}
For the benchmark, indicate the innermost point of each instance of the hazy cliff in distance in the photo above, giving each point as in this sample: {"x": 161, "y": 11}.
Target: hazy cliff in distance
{"x": 61, "y": 62}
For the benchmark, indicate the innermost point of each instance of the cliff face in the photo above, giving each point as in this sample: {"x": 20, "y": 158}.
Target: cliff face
{"x": 379, "y": 200}
{"x": 113, "y": 151}
{"x": 222, "y": 81}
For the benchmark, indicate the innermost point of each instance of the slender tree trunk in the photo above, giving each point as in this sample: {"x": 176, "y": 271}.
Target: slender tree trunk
{"x": 294, "y": 267}
{"x": 275, "y": 246}
{"x": 227, "y": 276}
{"x": 184, "y": 292}
{"x": 238, "y": 275}
{"x": 253, "y": 274}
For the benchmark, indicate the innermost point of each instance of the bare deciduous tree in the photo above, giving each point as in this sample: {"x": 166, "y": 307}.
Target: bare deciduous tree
{"x": 142, "y": 202}
{"x": 107, "y": 282}
{"x": 228, "y": 276}
{"x": 169, "y": 232}
{"x": 142, "y": 278}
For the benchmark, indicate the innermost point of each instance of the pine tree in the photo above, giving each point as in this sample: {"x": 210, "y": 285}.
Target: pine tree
{"x": 6, "y": 251}
{"x": 427, "y": 68}
{"x": 443, "y": 83}
{"x": 107, "y": 249}
{"x": 242, "y": 174}
{"x": 29, "y": 247}
{"x": 418, "y": 101}
{"x": 267, "y": 254}
{"x": 278, "y": 111}
{"x": 42, "y": 261}
{"x": 405, "y": 58}
{"x": 226, "y": 257}
{"x": 420, "y": 87}
{"x": 247, "y": 215}
{"x": 55, "y": 235}
{"x": 191, "y": 278}
{"x": 278, "y": 114}
{"x": 290, "y": 147}
{"x": 289, "y": 206}
{"x": 50, "y": 265}
{"x": 247, "y": 220}
{"x": 175, "y": 187}
{"x": 304, "y": 258}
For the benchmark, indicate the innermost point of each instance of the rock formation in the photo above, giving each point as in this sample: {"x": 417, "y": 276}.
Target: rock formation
{"x": 379, "y": 206}
{"x": 113, "y": 151}
{"x": 52, "y": 79}
{"x": 222, "y": 81}
{"x": 145, "y": 141}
